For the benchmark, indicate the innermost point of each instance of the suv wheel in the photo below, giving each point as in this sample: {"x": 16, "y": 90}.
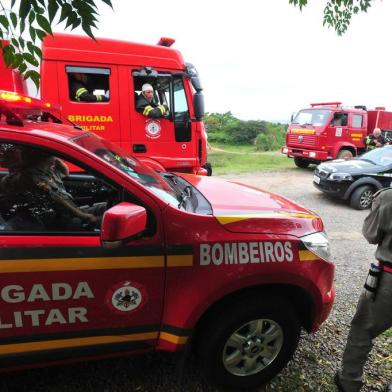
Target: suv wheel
{"x": 249, "y": 342}
{"x": 301, "y": 162}
{"x": 362, "y": 197}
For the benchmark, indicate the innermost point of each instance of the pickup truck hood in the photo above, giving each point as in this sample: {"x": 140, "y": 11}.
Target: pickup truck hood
{"x": 242, "y": 208}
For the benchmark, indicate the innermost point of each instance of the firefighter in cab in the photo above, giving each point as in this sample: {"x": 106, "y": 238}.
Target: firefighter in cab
{"x": 81, "y": 91}
{"x": 146, "y": 104}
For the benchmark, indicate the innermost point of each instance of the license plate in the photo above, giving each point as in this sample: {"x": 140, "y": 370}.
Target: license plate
{"x": 316, "y": 179}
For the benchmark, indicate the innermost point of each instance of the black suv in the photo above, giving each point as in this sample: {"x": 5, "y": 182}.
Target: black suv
{"x": 356, "y": 179}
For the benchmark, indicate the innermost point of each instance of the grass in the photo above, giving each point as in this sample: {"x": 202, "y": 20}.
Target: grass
{"x": 244, "y": 158}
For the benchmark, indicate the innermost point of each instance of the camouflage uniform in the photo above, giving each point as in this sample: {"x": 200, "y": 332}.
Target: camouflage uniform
{"x": 373, "y": 315}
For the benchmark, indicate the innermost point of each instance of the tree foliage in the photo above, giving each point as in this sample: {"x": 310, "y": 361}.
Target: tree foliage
{"x": 227, "y": 129}
{"x": 24, "y": 23}
{"x": 338, "y": 13}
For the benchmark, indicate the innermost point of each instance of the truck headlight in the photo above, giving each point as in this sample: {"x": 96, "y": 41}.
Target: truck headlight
{"x": 340, "y": 177}
{"x": 318, "y": 244}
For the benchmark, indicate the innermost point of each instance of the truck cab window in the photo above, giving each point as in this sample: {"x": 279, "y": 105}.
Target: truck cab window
{"x": 87, "y": 84}
{"x": 38, "y": 194}
{"x": 339, "y": 120}
{"x": 180, "y": 102}
{"x": 357, "y": 121}
{"x": 161, "y": 91}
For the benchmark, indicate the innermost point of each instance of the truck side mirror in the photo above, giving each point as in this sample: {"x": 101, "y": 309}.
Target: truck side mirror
{"x": 196, "y": 83}
{"x": 122, "y": 222}
{"x": 198, "y": 105}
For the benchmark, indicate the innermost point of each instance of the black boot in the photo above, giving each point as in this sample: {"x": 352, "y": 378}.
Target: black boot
{"x": 339, "y": 384}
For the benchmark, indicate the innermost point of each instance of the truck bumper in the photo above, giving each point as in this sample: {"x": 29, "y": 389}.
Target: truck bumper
{"x": 326, "y": 307}
{"x": 314, "y": 155}
{"x": 332, "y": 188}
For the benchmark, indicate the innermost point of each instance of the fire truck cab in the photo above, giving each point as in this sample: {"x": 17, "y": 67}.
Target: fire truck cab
{"x": 117, "y": 258}
{"x": 116, "y": 70}
{"x": 330, "y": 130}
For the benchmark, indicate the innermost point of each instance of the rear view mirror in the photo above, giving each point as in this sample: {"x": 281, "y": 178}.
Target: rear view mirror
{"x": 122, "y": 222}
{"x": 198, "y": 105}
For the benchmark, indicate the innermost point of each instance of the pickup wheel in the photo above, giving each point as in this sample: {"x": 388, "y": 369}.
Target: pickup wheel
{"x": 362, "y": 197}
{"x": 301, "y": 162}
{"x": 249, "y": 342}
{"x": 345, "y": 154}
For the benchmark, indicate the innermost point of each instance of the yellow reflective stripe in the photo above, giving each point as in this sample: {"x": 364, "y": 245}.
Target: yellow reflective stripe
{"x": 162, "y": 109}
{"x": 180, "y": 260}
{"x": 173, "y": 338}
{"x": 80, "y": 91}
{"x": 81, "y": 264}
{"x": 77, "y": 342}
{"x": 147, "y": 110}
{"x": 305, "y": 131}
{"x": 99, "y": 98}
{"x": 268, "y": 214}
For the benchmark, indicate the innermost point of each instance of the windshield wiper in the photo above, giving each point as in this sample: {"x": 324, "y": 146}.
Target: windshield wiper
{"x": 184, "y": 196}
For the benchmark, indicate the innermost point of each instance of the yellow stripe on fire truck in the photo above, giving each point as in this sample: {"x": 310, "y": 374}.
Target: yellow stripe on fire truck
{"x": 224, "y": 220}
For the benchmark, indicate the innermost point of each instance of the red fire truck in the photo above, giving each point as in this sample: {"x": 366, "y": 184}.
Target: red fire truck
{"x": 329, "y": 131}
{"x": 171, "y": 261}
{"x": 176, "y": 142}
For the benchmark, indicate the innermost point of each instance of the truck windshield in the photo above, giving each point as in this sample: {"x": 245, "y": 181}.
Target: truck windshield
{"x": 129, "y": 165}
{"x": 315, "y": 117}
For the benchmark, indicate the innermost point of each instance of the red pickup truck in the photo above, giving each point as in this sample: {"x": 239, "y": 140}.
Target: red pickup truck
{"x": 171, "y": 260}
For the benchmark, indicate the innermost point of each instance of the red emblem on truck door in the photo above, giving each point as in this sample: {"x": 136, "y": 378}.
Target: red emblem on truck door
{"x": 153, "y": 129}
{"x": 126, "y": 297}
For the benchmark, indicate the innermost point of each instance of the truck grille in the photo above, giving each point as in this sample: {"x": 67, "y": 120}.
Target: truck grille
{"x": 301, "y": 140}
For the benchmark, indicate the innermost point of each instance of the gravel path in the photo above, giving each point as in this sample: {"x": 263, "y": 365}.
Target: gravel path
{"x": 318, "y": 355}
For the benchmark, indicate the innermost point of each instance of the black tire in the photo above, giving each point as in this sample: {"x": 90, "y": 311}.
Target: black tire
{"x": 361, "y": 198}
{"x": 345, "y": 154}
{"x": 208, "y": 167}
{"x": 301, "y": 162}
{"x": 267, "y": 315}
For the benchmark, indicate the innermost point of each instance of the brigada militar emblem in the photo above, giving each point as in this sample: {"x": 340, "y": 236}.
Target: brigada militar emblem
{"x": 126, "y": 297}
{"x": 153, "y": 129}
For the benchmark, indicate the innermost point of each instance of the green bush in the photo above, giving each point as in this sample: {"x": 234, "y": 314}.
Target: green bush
{"x": 227, "y": 129}
{"x": 272, "y": 139}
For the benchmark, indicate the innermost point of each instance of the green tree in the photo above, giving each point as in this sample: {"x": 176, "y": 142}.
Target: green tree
{"x": 245, "y": 132}
{"x": 23, "y": 23}
{"x": 218, "y": 122}
{"x": 338, "y": 13}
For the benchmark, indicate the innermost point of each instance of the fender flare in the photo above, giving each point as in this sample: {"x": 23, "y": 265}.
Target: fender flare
{"x": 342, "y": 145}
{"x": 360, "y": 182}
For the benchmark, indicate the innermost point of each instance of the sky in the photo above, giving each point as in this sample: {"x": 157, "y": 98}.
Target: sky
{"x": 264, "y": 59}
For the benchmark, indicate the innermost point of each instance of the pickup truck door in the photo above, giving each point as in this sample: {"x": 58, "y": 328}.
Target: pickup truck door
{"x": 64, "y": 296}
